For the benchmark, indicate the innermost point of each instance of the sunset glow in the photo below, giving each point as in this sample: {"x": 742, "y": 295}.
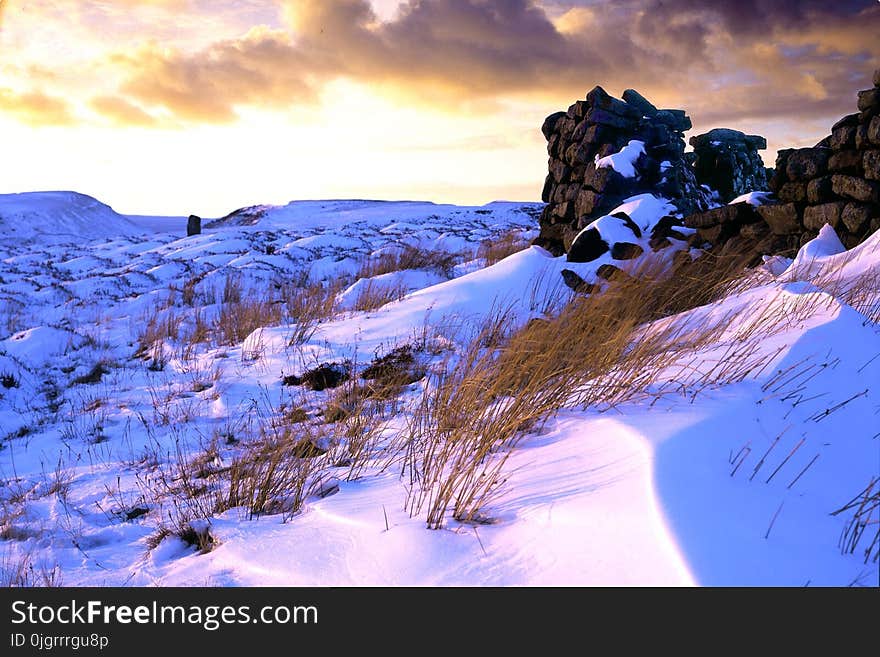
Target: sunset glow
{"x": 178, "y": 106}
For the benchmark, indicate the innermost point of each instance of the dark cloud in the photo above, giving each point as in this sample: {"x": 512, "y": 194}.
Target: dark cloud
{"x": 758, "y": 17}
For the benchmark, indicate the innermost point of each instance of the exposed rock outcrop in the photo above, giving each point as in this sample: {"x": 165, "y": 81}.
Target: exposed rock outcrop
{"x": 603, "y": 150}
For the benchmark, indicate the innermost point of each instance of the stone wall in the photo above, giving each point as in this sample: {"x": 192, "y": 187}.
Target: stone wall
{"x": 577, "y": 189}
{"x": 837, "y": 182}
{"x": 728, "y": 162}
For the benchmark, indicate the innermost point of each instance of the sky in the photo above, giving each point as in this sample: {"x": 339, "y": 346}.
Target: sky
{"x": 204, "y": 106}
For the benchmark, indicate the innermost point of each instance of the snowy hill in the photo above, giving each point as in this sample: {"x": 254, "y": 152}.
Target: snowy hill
{"x": 175, "y": 411}
{"x": 59, "y": 217}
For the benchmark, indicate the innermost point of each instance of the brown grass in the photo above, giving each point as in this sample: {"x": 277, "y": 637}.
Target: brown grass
{"x": 375, "y": 295}
{"x": 21, "y": 571}
{"x": 408, "y": 258}
{"x": 599, "y": 351}
{"x": 306, "y": 306}
{"x": 160, "y": 324}
{"x": 238, "y": 319}
{"x": 496, "y": 250}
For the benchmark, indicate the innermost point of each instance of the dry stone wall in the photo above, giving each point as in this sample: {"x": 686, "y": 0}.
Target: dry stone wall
{"x": 578, "y": 189}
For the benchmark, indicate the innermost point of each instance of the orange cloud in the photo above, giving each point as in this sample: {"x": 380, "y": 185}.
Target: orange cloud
{"x": 122, "y": 112}
{"x": 35, "y": 108}
{"x": 763, "y": 57}
{"x": 473, "y": 51}
{"x": 262, "y": 69}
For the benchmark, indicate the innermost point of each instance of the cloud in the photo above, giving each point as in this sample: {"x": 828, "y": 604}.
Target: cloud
{"x": 262, "y": 69}
{"x": 35, "y": 108}
{"x": 122, "y": 112}
{"x": 757, "y": 57}
{"x": 450, "y": 52}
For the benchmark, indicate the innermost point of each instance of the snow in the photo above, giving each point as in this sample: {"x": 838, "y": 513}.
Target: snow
{"x": 826, "y": 244}
{"x": 752, "y": 198}
{"x": 624, "y": 160}
{"x": 59, "y": 217}
{"x": 647, "y": 494}
{"x": 404, "y": 281}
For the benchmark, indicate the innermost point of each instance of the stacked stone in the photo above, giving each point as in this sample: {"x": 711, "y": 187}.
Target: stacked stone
{"x": 577, "y": 191}
{"x": 837, "y": 182}
{"x": 727, "y": 161}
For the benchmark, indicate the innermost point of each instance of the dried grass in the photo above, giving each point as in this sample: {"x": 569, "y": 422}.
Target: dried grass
{"x": 600, "y": 351}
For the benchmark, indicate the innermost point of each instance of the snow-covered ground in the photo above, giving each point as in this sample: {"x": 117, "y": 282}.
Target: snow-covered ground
{"x": 735, "y": 485}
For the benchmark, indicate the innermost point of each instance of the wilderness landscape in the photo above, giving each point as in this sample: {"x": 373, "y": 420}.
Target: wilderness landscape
{"x": 659, "y": 367}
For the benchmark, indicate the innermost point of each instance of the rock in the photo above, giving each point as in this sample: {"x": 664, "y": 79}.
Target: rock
{"x": 569, "y": 233}
{"x": 659, "y": 243}
{"x": 325, "y": 375}
{"x": 559, "y": 171}
{"x": 846, "y": 162}
{"x": 848, "y": 120}
{"x": 737, "y": 213}
{"x": 806, "y": 163}
{"x": 778, "y": 179}
{"x": 588, "y": 246}
{"x": 577, "y": 192}
{"x": 869, "y": 99}
{"x": 678, "y": 120}
{"x": 548, "y": 188}
{"x": 566, "y": 212}
{"x": 576, "y": 283}
{"x": 793, "y": 191}
{"x": 601, "y": 179}
{"x": 757, "y": 142}
{"x": 755, "y": 231}
{"x": 873, "y": 131}
{"x": 862, "y": 141}
{"x": 598, "y": 98}
{"x": 817, "y": 216}
{"x": 819, "y": 190}
{"x": 717, "y": 234}
{"x": 877, "y": 77}
{"x": 782, "y": 218}
{"x": 637, "y": 100}
{"x": 608, "y": 272}
{"x": 586, "y": 201}
{"x": 606, "y": 118}
{"x": 577, "y": 110}
{"x": 550, "y": 124}
{"x": 843, "y": 137}
{"x": 627, "y": 220}
{"x": 855, "y": 188}
{"x": 665, "y": 226}
{"x": 579, "y": 131}
{"x": 727, "y": 161}
{"x": 871, "y": 164}
{"x": 626, "y": 251}
{"x": 550, "y": 239}
{"x": 855, "y": 216}
{"x": 193, "y": 225}
{"x": 696, "y": 241}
